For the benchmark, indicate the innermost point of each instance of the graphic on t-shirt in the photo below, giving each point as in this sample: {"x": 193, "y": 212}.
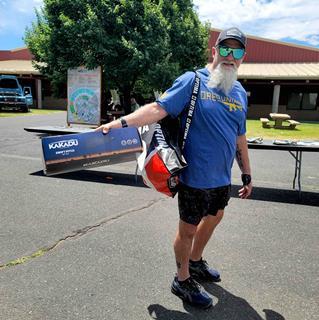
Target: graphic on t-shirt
{"x": 232, "y": 104}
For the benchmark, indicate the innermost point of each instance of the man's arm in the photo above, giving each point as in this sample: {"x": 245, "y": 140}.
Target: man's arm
{"x": 147, "y": 114}
{"x": 242, "y": 158}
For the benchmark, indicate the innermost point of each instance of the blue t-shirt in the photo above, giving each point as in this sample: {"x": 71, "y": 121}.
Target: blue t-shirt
{"x": 217, "y": 122}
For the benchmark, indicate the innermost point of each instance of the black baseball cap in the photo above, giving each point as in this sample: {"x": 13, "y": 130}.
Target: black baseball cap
{"x": 232, "y": 33}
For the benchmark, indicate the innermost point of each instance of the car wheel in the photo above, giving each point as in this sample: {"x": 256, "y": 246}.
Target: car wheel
{"x": 25, "y": 109}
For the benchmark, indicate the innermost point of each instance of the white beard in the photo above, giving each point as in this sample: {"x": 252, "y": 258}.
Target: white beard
{"x": 223, "y": 78}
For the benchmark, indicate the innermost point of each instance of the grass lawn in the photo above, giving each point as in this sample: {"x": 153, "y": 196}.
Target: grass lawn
{"x": 306, "y": 130}
{"x": 9, "y": 114}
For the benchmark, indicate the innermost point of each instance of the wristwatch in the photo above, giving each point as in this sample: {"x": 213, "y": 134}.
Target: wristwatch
{"x": 246, "y": 179}
{"x": 123, "y": 122}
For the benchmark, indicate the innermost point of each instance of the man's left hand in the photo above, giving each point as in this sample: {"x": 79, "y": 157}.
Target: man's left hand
{"x": 245, "y": 191}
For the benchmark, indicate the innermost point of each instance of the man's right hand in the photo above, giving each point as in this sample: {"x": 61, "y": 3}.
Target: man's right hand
{"x": 105, "y": 128}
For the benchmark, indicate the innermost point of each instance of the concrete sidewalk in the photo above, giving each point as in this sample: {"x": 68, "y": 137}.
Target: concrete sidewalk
{"x": 96, "y": 245}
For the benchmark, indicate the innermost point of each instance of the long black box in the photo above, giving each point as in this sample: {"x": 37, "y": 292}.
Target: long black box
{"x": 73, "y": 152}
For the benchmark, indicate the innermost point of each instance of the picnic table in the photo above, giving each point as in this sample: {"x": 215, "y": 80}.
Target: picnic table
{"x": 280, "y": 120}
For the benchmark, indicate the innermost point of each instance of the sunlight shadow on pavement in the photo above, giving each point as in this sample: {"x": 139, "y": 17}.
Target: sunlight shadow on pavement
{"x": 226, "y": 306}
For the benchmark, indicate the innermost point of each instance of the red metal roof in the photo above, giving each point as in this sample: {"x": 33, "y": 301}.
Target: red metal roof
{"x": 16, "y": 54}
{"x": 272, "y": 51}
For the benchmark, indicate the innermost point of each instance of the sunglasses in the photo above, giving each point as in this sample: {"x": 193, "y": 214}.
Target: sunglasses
{"x": 237, "y": 53}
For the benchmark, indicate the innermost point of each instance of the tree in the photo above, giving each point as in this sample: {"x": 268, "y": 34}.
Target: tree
{"x": 188, "y": 39}
{"x": 147, "y": 40}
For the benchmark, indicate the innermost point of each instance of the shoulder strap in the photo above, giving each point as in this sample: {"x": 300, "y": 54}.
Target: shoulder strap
{"x": 191, "y": 108}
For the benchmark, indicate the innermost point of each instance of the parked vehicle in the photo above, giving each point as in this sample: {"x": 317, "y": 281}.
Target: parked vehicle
{"x": 13, "y": 96}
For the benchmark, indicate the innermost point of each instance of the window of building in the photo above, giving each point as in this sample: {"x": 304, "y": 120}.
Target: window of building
{"x": 302, "y": 101}
{"x": 259, "y": 93}
{"x": 309, "y": 101}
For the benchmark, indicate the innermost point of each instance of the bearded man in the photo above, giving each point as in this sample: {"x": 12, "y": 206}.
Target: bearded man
{"x": 216, "y": 136}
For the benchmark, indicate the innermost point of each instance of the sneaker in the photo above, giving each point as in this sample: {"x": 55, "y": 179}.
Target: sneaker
{"x": 200, "y": 270}
{"x": 191, "y": 292}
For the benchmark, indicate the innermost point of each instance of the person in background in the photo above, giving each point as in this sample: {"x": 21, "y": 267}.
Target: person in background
{"x": 134, "y": 104}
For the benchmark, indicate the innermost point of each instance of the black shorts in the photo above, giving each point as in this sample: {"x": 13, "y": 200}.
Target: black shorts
{"x": 194, "y": 204}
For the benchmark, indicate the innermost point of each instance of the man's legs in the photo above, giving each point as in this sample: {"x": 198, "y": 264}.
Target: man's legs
{"x": 182, "y": 247}
{"x": 183, "y": 285}
{"x": 203, "y": 233}
{"x": 191, "y": 240}
{"x": 193, "y": 204}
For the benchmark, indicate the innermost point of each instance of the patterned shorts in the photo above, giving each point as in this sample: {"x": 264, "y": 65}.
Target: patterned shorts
{"x": 194, "y": 204}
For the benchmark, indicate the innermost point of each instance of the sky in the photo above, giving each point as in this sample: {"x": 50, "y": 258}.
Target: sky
{"x": 295, "y": 21}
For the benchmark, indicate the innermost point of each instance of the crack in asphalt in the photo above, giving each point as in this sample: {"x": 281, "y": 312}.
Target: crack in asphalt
{"x": 77, "y": 234}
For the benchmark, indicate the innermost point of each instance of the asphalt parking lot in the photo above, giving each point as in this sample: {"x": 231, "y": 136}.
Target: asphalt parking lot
{"x": 96, "y": 244}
